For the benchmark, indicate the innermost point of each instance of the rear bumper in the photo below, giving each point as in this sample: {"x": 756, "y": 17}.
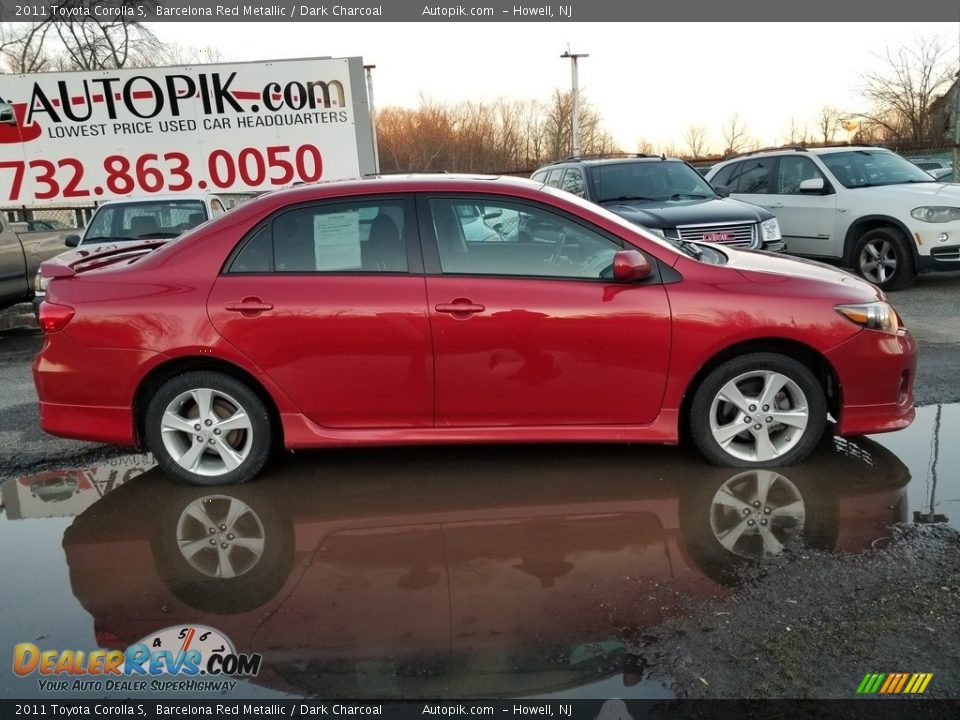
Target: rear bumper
{"x": 113, "y": 425}
{"x": 876, "y": 373}
{"x": 86, "y": 393}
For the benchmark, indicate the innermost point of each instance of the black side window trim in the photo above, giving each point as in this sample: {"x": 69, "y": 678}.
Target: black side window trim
{"x": 410, "y": 231}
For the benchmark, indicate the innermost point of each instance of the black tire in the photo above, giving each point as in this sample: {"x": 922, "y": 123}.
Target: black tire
{"x": 258, "y": 577}
{"x": 890, "y": 243}
{"x": 257, "y": 451}
{"x": 792, "y": 449}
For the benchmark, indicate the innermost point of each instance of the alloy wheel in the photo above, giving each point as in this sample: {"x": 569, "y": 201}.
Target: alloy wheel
{"x": 220, "y": 536}
{"x": 756, "y": 512}
{"x": 878, "y": 261}
{"x": 759, "y": 416}
{"x": 206, "y": 432}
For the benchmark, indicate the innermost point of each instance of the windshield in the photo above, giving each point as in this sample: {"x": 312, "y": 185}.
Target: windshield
{"x": 872, "y": 168}
{"x": 144, "y": 220}
{"x": 657, "y": 180}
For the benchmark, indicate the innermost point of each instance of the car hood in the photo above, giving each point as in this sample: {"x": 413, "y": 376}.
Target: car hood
{"x": 771, "y": 268}
{"x": 920, "y": 192}
{"x": 665, "y": 214}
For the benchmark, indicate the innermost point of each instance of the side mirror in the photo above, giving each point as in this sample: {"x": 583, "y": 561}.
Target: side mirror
{"x": 722, "y": 190}
{"x": 813, "y": 185}
{"x": 72, "y": 240}
{"x": 7, "y": 116}
{"x": 630, "y": 265}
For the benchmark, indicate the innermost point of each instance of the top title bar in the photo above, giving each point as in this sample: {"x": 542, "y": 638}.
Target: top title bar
{"x": 485, "y": 11}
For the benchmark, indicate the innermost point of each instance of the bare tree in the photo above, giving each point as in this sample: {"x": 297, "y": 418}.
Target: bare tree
{"x": 828, "y": 122}
{"x": 695, "y": 136}
{"x": 503, "y": 136}
{"x": 177, "y": 54}
{"x": 797, "y": 135}
{"x": 671, "y": 151}
{"x": 22, "y": 47}
{"x": 902, "y": 92}
{"x": 734, "y": 135}
{"x": 91, "y": 44}
{"x": 644, "y": 146}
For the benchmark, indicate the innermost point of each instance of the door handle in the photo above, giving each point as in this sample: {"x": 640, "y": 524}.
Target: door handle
{"x": 460, "y": 306}
{"x": 249, "y": 306}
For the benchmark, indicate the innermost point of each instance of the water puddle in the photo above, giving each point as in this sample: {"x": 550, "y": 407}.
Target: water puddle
{"x": 438, "y": 572}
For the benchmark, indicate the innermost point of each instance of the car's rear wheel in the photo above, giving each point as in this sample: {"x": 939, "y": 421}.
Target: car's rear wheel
{"x": 207, "y": 428}
{"x": 882, "y": 257}
{"x": 759, "y": 409}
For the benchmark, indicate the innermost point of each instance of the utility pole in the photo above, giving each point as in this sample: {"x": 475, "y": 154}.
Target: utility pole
{"x": 373, "y": 118}
{"x": 575, "y": 89}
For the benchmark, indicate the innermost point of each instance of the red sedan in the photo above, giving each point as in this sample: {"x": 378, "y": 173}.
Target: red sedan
{"x": 372, "y": 312}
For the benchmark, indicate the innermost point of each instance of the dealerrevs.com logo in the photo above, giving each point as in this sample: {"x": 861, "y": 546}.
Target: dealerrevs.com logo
{"x": 189, "y": 658}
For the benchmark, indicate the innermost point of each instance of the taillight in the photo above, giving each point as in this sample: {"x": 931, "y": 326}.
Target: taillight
{"x": 53, "y": 317}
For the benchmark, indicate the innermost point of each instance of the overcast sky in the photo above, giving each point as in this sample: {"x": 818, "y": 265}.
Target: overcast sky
{"x": 648, "y": 80}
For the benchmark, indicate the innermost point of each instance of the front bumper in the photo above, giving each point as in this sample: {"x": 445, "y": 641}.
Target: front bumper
{"x": 941, "y": 257}
{"x": 876, "y": 373}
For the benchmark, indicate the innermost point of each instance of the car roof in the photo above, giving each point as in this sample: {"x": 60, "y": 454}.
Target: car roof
{"x": 608, "y": 161}
{"x": 385, "y": 184}
{"x": 773, "y": 152}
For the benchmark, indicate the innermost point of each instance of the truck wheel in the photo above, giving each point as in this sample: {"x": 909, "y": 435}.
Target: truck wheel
{"x": 882, "y": 257}
{"x": 759, "y": 409}
{"x": 207, "y": 428}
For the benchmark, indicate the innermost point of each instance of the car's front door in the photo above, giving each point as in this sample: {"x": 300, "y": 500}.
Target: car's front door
{"x": 807, "y": 219}
{"x": 533, "y": 331}
{"x": 329, "y": 300}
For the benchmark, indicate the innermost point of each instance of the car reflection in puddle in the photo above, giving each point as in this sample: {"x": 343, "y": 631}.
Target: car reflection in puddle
{"x": 460, "y": 572}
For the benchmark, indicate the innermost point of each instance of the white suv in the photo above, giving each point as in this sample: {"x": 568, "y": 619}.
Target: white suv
{"x": 865, "y": 207}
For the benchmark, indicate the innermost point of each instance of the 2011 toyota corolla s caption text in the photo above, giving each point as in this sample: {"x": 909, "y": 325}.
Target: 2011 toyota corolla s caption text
{"x": 457, "y": 310}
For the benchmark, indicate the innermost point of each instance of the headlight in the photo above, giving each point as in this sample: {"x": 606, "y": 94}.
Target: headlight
{"x": 40, "y": 283}
{"x": 770, "y": 230}
{"x": 936, "y": 214}
{"x": 876, "y": 316}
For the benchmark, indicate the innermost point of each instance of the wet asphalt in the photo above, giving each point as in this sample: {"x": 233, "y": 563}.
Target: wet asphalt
{"x": 505, "y": 571}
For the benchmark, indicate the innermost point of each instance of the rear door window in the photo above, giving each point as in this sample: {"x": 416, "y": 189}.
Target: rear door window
{"x": 754, "y": 176}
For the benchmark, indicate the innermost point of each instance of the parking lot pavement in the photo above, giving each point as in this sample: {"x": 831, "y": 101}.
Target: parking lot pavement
{"x": 931, "y": 308}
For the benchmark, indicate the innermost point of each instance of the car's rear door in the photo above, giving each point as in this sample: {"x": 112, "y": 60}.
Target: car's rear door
{"x": 329, "y": 300}
{"x": 527, "y": 332}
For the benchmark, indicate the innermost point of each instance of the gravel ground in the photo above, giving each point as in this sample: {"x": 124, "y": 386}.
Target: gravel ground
{"x": 813, "y": 624}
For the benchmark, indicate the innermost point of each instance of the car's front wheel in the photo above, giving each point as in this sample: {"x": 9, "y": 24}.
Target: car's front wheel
{"x": 758, "y": 409}
{"x": 882, "y": 257}
{"x": 207, "y": 428}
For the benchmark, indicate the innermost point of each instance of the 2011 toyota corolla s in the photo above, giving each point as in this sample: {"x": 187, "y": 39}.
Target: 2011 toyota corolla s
{"x": 362, "y": 313}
